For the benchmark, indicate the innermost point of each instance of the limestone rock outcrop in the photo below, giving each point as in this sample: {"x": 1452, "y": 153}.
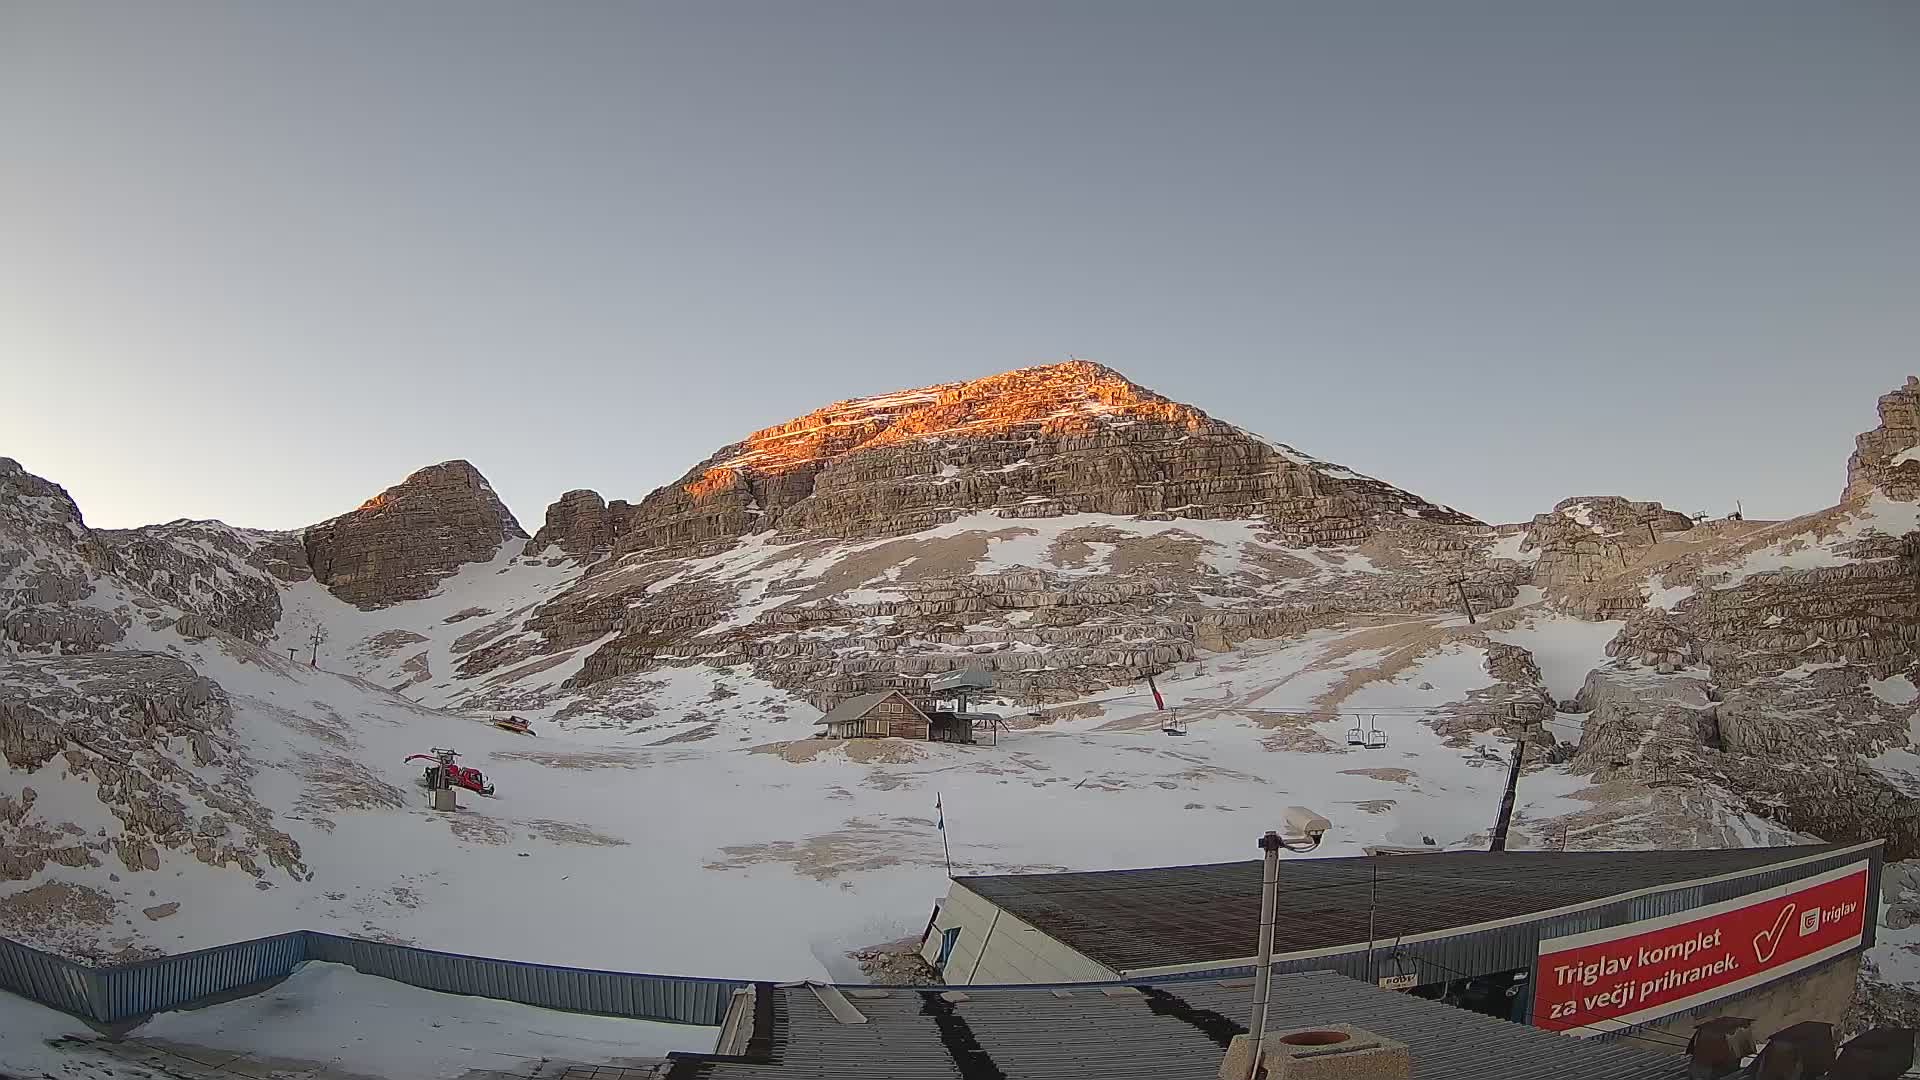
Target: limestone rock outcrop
{"x": 229, "y": 577}
{"x": 1655, "y": 639}
{"x": 1586, "y": 539}
{"x": 400, "y": 543}
{"x": 1888, "y": 457}
{"x": 582, "y": 524}
{"x": 1037, "y": 442}
{"x": 50, "y": 563}
{"x": 155, "y": 742}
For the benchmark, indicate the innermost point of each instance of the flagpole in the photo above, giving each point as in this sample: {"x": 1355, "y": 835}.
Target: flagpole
{"x": 941, "y": 809}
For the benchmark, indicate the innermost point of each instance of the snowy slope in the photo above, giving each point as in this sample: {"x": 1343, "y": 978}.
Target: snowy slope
{"x": 330, "y": 1016}
{"x": 602, "y": 850}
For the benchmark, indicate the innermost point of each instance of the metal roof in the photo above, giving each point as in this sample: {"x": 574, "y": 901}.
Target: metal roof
{"x": 969, "y": 679}
{"x": 856, "y": 707}
{"x": 1138, "y": 920}
{"x": 1170, "y": 1031}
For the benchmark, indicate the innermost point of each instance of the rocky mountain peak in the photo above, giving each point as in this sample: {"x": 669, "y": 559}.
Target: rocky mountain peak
{"x": 1077, "y": 396}
{"x": 400, "y": 543}
{"x": 1042, "y": 441}
{"x": 1888, "y": 457}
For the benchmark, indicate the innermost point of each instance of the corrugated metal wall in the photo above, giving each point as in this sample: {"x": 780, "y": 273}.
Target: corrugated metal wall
{"x": 123, "y": 992}
{"x": 672, "y": 998}
{"x": 169, "y": 981}
{"x": 46, "y": 978}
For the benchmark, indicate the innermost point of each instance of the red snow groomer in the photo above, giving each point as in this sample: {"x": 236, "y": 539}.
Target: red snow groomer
{"x": 441, "y": 764}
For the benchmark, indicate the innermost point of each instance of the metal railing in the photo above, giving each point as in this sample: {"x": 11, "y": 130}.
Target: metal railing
{"x": 112, "y": 993}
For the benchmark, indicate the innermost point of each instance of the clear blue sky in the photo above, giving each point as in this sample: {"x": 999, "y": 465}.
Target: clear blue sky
{"x": 258, "y": 261}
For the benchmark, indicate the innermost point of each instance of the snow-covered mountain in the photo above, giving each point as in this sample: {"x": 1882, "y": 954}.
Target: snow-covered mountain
{"x": 169, "y": 741}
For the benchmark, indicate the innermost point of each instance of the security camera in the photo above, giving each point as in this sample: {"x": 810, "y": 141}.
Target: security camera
{"x": 1304, "y": 822}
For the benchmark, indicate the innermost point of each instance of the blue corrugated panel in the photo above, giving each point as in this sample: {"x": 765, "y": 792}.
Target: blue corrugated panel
{"x": 51, "y": 980}
{"x": 670, "y": 998}
{"x": 172, "y": 981}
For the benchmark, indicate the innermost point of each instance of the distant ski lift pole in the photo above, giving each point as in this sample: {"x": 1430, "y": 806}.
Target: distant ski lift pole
{"x": 1460, "y": 586}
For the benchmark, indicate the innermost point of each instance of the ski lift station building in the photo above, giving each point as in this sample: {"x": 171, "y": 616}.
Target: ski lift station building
{"x": 1582, "y": 942}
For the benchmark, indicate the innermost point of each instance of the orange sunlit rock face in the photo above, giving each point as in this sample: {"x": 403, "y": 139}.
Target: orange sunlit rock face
{"x": 1058, "y": 399}
{"x": 712, "y": 482}
{"x": 1038, "y": 442}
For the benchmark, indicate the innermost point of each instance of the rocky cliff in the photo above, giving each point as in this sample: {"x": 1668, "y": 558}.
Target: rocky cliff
{"x": 229, "y": 577}
{"x": 1037, "y": 442}
{"x": 582, "y": 525}
{"x": 1888, "y": 457}
{"x": 51, "y": 567}
{"x": 1774, "y": 660}
{"x": 929, "y": 480}
{"x": 400, "y": 543}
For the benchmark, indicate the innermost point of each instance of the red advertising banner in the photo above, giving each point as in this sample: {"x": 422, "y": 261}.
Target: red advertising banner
{"x": 1630, "y": 974}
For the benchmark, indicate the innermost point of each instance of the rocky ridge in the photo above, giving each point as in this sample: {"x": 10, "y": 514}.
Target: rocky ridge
{"x": 1774, "y": 660}
{"x": 50, "y": 566}
{"x": 1027, "y": 446}
{"x": 1885, "y": 458}
{"x": 400, "y": 543}
{"x": 1038, "y": 442}
{"x": 229, "y": 577}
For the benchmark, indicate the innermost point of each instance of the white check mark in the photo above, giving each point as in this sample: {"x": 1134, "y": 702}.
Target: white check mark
{"x": 1766, "y": 942}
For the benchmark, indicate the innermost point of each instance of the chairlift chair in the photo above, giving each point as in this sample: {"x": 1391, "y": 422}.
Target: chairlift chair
{"x": 1174, "y": 725}
{"x": 1376, "y": 739}
{"x": 1356, "y": 737}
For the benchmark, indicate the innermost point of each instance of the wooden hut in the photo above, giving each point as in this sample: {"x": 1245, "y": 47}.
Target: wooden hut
{"x": 882, "y": 715}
